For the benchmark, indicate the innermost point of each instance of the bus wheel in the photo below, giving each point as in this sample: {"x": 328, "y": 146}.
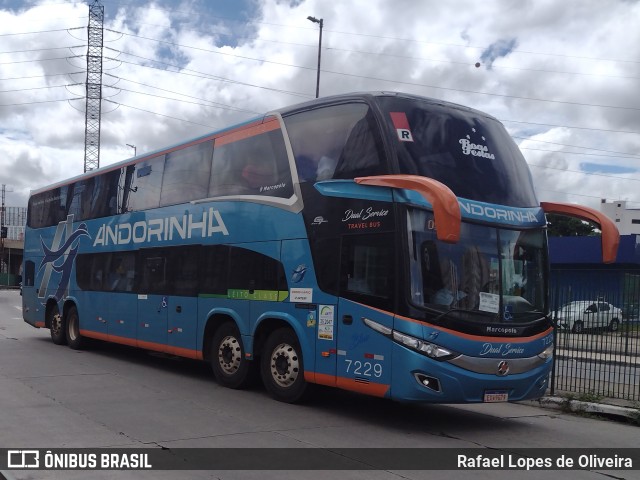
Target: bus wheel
{"x": 230, "y": 367}
{"x": 56, "y": 325}
{"x": 282, "y": 368}
{"x": 74, "y": 339}
{"x": 614, "y": 325}
{"x": 577, "y": 327}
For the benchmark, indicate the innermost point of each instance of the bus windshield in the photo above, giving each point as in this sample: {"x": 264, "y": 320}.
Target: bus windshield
{"x": 493, "y": 271}
{"x": 468, "y": 151}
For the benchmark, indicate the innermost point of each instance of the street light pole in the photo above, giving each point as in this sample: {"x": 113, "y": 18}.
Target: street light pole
{"x": 135, "y": 150}
{"x": 321, "y": 23}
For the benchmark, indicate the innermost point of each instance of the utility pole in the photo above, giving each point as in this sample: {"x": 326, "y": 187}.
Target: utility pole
{"x": 321, "y": 23}
{"x": 3, "y": 234}
{"x": 93, "y": 86}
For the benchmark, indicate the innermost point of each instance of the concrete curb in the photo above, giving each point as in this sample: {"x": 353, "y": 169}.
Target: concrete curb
{"x": 567, "y": 404}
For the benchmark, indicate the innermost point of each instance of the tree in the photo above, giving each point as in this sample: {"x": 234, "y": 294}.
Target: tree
{"x": 563, "y": 226}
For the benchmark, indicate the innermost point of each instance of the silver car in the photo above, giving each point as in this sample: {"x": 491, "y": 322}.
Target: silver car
{"x": 585, "y": 314}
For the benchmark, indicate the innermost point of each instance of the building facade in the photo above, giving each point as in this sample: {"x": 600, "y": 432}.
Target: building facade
{"x": 626, "y": 219}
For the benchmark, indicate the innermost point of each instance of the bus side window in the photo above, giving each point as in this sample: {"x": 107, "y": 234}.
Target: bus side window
{"x": 362, "y": 153}
{"x": 333, "y": 142}
{"x": 142, "y": 185}
{"x": 48, "y": 208}
{"x": 186, "y": 174}
{"x": 226, "y": 174}
{"x": 255, "y": 165}
{"x": 252, "y": 271}
{"x": 121, "y": 275}
{"x": 103, "y": 199}
{"x": 154, "y": 272}
{"x": 182, "y": 270}
{"x": 215, "y": 266}
{"x": 367, "y": 269}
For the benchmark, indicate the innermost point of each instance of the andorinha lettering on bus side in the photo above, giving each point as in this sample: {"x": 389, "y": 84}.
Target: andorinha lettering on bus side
{"x": 508, "y": 461}
{"x": 162, "y": 229}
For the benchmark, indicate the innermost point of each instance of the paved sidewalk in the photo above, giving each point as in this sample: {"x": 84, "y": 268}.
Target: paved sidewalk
{"x": 612, "y": 408}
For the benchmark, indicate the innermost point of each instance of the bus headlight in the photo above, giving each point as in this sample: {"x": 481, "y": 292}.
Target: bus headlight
{"x": 546, "y": 353}
{"x": 429, "y": 349}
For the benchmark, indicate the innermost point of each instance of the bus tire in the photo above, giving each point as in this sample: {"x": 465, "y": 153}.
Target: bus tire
{"x": 57, "y": 326}
{"x": 578, "y": 327}
{"x": 282, "y": 367}
{"x": 72, "y": 321}
{"x": 228, "y": 361}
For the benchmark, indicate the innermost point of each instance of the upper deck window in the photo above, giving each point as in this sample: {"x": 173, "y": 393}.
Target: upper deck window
{"x": 338, "y": 141}
{"x": 469, "y": 152}
{"x": 254, "y": 165}
{"x": 186, "y": 174}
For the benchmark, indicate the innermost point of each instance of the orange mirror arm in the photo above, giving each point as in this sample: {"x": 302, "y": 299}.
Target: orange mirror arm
{"x": 610, "y": 234}
{"x": 446, "y": 210}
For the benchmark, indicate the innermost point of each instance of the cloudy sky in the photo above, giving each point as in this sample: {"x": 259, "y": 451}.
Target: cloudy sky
{"x": 563, "y": 77}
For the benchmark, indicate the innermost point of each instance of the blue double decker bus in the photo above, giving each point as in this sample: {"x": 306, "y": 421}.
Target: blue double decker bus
{"x": 383, "y": 243}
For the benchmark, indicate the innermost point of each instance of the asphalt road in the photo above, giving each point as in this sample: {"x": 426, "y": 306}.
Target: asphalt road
{"x": 112, "y": 396}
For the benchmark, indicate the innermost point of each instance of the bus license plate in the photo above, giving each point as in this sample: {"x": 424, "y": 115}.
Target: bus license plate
{"x": 493, "y": 396}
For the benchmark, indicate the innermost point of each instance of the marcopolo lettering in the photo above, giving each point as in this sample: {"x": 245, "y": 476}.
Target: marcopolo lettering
{"x": 162, "y": 229}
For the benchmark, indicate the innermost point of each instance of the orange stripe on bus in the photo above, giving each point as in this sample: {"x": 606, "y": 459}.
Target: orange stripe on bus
{"x": 156, "y": 347}
{"x": 373, "y": 389}
{"x": 244, "y": 133}
{"x": 322, "y": 379}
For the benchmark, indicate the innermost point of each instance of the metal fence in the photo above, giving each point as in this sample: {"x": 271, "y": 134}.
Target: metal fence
{"x": 597, "y": 349}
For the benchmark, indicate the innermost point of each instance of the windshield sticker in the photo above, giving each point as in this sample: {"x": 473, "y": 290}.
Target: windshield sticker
{"x": 301, "y": 295}
{"x": 489, "y": 302}
{"x": 475, "y": 149}
{"x": 401, "y": 124}
{"x": 325, "y": 325}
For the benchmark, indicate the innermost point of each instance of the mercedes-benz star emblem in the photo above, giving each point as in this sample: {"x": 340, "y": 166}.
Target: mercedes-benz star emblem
{"x": 503, "y": 368}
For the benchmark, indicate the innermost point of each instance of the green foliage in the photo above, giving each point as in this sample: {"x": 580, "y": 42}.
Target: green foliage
{"x": 563, "y": 226}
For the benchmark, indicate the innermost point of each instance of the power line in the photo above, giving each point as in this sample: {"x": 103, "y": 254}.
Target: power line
{"x": 41, "y": 31}
{"x": 465, "y": 63}
{"x": 41, "y": 101}
{"x": 576, "y": 153}
{"x": 570, "y": 126}
{"x": 528, "y": 52}
{"x": 584, "y": 173}
{"x": 194, "y": 73}
{"x": 42, "y": 49}
{"x": 42, "y": 60}
{"x": 184, "y": 101}
{"x": 409, "y": 40}
{"x": 156, "y": 113}
{"x": 42, "y": 76}
{"x": 570, "y": 194}
{"x": 373, "y": 78}
{"x": 41, "y": 88}
{"x": 215, "y": 104}
{"x": 627, "y": 155}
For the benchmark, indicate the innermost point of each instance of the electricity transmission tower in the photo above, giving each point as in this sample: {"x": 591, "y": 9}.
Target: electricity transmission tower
{"x": 93, "y": 86}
